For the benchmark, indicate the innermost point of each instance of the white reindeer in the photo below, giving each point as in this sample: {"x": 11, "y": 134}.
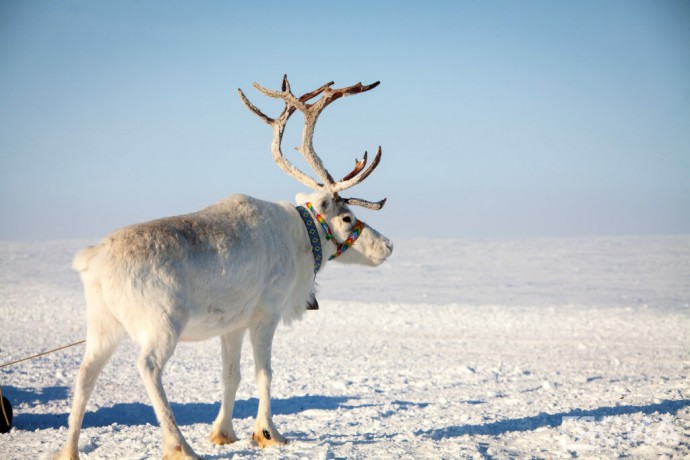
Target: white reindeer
{"x": 240, "y": 264}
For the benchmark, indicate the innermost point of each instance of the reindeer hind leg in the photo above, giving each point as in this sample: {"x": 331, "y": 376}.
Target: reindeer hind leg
{"x": 103, "y": 335}
{"x": 155, "y": 353}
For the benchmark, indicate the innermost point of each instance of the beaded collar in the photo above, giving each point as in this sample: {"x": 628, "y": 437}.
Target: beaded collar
{"x": 315, "y": 240}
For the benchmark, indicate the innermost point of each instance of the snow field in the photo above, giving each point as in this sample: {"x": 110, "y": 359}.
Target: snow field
{"x": 465, "y": 349}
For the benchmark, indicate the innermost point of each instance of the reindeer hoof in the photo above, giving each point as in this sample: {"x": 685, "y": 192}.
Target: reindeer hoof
{"x": 220, "y": 438}
{"x": 266, "y": 439}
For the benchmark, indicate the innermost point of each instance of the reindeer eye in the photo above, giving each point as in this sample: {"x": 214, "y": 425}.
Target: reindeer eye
{"x": 347, "y": 219}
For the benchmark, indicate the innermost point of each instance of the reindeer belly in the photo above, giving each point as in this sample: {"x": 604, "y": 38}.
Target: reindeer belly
{"x": 219, "y": 311}
{"x": 216, "y": 315}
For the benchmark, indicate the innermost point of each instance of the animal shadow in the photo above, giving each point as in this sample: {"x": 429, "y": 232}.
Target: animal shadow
{"x": 134, "y": 414}
{"x": 550, "y": 420}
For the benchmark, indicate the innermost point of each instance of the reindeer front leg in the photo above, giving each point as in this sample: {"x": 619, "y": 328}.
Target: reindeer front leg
{"x": 265, "y": 433}
{"x": 231, "y": 347}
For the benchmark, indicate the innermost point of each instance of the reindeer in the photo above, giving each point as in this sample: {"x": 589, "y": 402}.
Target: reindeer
{"x": 239, "y": 265}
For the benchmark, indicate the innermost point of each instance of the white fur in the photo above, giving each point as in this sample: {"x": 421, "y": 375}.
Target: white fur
{"x": 240, "y": 265}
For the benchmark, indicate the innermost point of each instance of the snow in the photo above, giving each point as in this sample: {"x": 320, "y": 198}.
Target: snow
{"x": 535, "y": 348}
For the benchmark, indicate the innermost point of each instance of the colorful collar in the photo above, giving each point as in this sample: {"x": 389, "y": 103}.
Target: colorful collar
{"x": 354, "y": 234}
{"x": 314, "y": 238}
{"x": 342, "y": 247}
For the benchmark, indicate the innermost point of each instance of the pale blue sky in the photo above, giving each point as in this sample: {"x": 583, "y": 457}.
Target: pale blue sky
{"x": 497, "y": 119}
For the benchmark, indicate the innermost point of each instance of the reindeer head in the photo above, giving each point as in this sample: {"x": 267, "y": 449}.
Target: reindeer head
{"x": 352, "y": 239}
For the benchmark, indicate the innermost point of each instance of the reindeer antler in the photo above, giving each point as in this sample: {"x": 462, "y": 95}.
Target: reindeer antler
{"x": 311, "y": 113}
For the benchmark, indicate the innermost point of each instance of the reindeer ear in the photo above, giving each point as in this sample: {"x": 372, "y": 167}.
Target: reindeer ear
{"x": 301, "y": 198}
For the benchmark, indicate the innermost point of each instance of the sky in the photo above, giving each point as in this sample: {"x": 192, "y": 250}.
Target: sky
{"x": 497, "y": 119}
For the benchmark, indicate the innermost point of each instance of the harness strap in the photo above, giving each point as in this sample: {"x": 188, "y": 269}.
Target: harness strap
{"x": 350, "y": 240}
{"x": 322, "y": 221}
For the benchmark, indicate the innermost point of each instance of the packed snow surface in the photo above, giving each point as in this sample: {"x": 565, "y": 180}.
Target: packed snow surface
{"x": 537, "y": 348}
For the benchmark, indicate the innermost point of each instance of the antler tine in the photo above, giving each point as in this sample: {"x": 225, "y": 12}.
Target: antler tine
{"x": 354, "y": 89}
{"x": 316, "y": 92}
{"x": 254, "y": 109}
{"x": 291, "y": 102}
{"x": 334, "y": 94}
{"x": 359, "y": 165}
{"x": 373, "y": 205}
{"x": 356, "y": 179}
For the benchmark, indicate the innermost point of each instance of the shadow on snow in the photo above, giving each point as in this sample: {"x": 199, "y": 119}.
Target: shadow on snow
{"x": 141, "y": 414}
{"x": 550, "y": 420}
{"x": 191, "y": 413}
